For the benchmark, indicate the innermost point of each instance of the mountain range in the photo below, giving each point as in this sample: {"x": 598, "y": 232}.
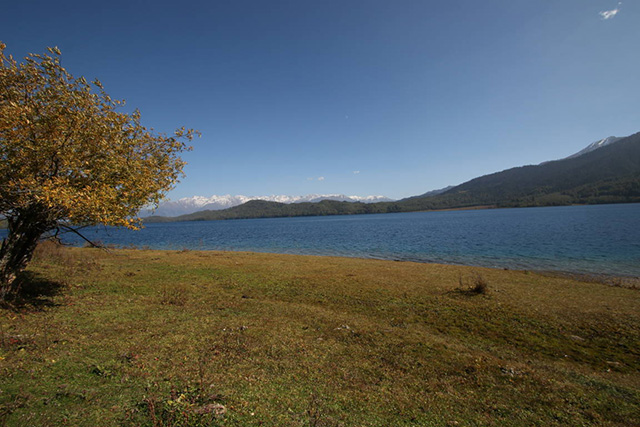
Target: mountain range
{"x": 189, "y": 205}
{"x": 606, "y": 171}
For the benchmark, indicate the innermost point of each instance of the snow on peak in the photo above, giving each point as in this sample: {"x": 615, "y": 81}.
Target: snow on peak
{"x": 188, "y": 205}
{"x": 595, "y": 145}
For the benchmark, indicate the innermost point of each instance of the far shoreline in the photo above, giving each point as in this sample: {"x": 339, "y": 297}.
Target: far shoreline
{"x": 170, "y": 219}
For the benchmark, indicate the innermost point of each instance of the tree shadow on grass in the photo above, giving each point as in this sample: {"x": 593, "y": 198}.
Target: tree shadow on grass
{"x": 35, "y": 292}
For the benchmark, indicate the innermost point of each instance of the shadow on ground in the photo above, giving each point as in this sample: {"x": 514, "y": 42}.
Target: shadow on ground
{"x": 34, "y": 292}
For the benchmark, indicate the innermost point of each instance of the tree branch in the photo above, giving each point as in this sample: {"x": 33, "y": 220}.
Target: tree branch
{"x": 75, "y": 231}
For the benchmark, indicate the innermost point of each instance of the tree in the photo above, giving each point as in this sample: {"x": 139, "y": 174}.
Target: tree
{"x": 69, "y": 157}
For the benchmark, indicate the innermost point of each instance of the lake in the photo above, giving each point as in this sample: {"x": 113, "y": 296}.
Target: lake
{"x": 585, "y": 239}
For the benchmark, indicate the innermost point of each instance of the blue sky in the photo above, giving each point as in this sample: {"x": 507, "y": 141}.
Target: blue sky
{"x": 357, "y": 97}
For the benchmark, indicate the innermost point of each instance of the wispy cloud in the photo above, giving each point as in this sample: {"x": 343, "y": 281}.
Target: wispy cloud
{"x": 608, "y": 14}
{"x": 356, "y": 172}
{"x": 321, "y": 178}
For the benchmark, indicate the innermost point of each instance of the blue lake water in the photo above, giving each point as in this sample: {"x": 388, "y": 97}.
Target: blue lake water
{"x": 589, "y": 239}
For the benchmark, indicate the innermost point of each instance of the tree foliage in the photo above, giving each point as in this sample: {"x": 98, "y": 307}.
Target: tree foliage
{"x": 70, "y": 156}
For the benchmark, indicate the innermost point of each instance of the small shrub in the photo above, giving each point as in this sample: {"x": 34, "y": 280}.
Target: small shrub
{"x": 477, "y": 286}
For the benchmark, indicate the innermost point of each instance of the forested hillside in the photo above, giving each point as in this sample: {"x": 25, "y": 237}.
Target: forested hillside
{"x": 610, "y": 174}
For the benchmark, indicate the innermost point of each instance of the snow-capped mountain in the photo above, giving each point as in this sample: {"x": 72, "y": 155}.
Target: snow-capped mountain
{"x": 595, "y": 145}
{"x": 589, "y": 148}
{"x": 189, "y": 205}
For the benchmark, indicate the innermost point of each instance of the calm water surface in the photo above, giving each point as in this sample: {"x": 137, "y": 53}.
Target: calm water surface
{"x": 589, "y": 239}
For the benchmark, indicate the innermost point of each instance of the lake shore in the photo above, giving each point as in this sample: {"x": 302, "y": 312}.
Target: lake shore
{"x": 579, "y": 239}
{"x": 129, "y": 336}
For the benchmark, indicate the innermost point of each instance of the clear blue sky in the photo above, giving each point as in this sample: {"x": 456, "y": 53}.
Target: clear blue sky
{"x": 415, "y": 95}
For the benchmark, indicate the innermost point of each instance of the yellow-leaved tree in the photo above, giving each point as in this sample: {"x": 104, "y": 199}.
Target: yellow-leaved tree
{"x": 68, "y": 157}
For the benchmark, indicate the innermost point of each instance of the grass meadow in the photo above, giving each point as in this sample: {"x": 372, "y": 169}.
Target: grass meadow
{"x": 188, "y": 338}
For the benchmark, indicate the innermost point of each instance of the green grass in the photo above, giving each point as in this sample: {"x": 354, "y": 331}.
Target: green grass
{"x": 161, "y": 337}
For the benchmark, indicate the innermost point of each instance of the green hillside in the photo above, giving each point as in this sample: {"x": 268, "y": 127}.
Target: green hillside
{"x": 264, "y": 209}
{"x": 610, "y": 174}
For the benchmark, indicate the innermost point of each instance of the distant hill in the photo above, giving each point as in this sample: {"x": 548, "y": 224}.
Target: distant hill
{"x": 266, "y": 209}
{"x": 188, "y": 205}
{"x": 431, "y": 193}
{"x": 606, "y": 174}
{"x": 607, "y": 171}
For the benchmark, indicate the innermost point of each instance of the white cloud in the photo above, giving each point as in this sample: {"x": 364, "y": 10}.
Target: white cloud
{"x": 608, "y": 14}
{"x": 321, "y": 178}
{"x": 356, "y": 172}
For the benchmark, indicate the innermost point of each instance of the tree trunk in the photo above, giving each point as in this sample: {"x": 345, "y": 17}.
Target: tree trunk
{"x": 25, "y": 229}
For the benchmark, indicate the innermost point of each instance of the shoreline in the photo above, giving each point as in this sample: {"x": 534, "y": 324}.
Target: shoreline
{"x": 627, "y": 282}
{"x": 616, "y": 280}
{"x": 151, "y": 219}
{"x": 541, "y": 240}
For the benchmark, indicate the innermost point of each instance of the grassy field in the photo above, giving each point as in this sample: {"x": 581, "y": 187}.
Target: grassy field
{"x": 166, "y": 338}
